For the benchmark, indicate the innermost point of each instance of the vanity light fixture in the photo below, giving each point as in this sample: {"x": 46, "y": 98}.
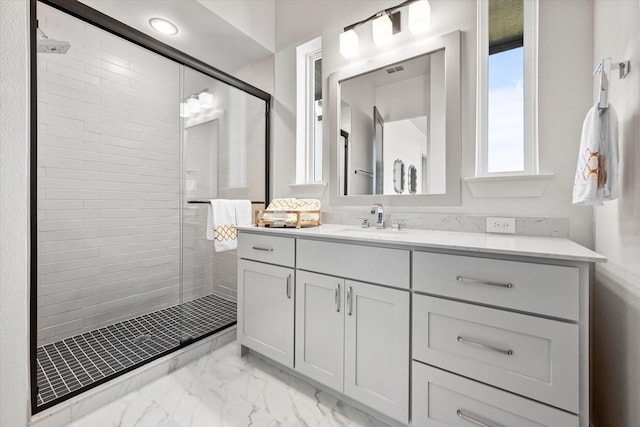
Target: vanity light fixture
{"x": 163, "y": 26}
{"x": 193, "y": 105}
{"x": 419, "y": 16}
{"x": 205, "y": 99}
{"x": 382, "y": 30}
{"x": 348, "y": 43}
{"x": 385, "y": 24}
{"x": 201, "y": 102}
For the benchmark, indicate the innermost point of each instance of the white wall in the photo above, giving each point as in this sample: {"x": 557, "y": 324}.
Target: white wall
{"x": 413, "y": 147}
{"x": 616, "y": 302}
{"x": 618, "y": 222}
{"x": 257, "y": 19}
{"x": 14, "y": 213}
{"x": 296, "y": 19}
{"x": 566, "y": 38}
{"x": 396, "y": 101}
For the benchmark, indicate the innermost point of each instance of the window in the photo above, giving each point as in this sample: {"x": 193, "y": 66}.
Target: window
{"x": 507, "y": 77}
{"x": 309, "y": 112}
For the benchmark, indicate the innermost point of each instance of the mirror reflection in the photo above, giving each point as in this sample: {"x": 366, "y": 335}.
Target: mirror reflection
{"x": 392, "y": 117}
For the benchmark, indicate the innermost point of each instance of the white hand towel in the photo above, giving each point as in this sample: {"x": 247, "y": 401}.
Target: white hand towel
{"x": 221, "y": 222}
{"x": 597, "y": 171}
{"x": 243, "y": 212}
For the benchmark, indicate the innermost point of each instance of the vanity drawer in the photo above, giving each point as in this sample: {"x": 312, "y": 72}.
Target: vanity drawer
{"x": 524, "y": 354}
{"x": 443, "y": 399}
{"x": 551, "y": 290}
{"x": 271, "y": 249}
{"x": 365, "y": 263}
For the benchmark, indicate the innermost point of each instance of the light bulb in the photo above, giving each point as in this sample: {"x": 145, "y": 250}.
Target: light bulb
{"x": 419, "y": 16}
{"x": 382, "y": 30}
{"x": 206, "y": 100}
{"x": 348, "y": 43}
{"x": 193, "y": 105}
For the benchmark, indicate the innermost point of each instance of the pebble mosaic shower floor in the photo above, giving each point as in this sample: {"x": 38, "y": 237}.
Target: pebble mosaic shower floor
{"x": 79, "y": 361}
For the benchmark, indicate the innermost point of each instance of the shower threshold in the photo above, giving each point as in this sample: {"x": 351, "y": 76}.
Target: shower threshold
{"x": 73, "y": 365}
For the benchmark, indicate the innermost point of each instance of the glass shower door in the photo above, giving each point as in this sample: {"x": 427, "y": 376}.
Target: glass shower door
{"x": 108, "y": 207}
{"x": 131, "y": 147}
{"x": 223, "y": 158}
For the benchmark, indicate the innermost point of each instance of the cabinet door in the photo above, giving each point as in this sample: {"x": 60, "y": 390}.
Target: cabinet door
{"x": 320, "y": 328}
{"x": 265, "y": 309}
{"x": 376, "y": 358}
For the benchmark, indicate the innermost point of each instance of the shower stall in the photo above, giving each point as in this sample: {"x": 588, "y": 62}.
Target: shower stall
{"x": 131, "y": 139}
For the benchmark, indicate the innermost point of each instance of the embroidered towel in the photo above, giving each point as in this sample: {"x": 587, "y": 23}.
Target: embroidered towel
{"x": 221, "y": 217}
{"x": 597, "y": 171}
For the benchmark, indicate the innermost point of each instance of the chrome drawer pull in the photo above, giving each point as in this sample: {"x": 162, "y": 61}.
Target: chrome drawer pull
{"x": 349, "y": 301}
{"x": 258, "y": 248}
{"x": 483, "y": 282}
{"x": 471, "y": 419}
{"x": 337, "y": 297}
{"x": 289, "y": 286}
{"x": 464, "y": 340}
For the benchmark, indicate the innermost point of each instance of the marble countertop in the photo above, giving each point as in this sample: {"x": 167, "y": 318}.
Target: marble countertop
{"x": 508, "y": 244}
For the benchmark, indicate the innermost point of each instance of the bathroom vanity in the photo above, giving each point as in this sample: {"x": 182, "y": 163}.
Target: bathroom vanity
{"x": 424, "y": 327}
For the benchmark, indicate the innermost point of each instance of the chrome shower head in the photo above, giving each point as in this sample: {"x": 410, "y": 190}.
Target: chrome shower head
{"x": 47, "y": 45}
{"x": 53, "y": 46}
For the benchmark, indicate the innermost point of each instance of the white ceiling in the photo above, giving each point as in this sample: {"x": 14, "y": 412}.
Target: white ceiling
{"x": 229, "y": 34}
{"x": 201, "y": 33}
{"x": 414, "y": 67}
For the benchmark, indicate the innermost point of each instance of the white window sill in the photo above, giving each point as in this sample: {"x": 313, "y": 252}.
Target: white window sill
{"x": 505, "y": 186}
{"x": 313, "y": 189}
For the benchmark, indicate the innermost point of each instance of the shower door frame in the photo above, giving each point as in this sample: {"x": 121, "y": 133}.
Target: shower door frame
{"x": 91, "y": 16}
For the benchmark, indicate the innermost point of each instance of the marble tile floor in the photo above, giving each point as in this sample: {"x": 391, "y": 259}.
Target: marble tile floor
{"x": 223, "y": 390}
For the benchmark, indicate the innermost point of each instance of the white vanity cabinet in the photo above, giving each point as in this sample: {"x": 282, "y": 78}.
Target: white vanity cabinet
{"x": 482, "y": 330}
{"x": 354, "y": 337}
{"x": 266, "y": 296}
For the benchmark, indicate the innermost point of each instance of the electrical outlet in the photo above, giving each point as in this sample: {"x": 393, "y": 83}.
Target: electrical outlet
{"x": 501, "y": 225}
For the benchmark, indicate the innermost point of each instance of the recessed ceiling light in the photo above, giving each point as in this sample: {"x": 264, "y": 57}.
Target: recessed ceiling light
{"x": 163, "y": 26}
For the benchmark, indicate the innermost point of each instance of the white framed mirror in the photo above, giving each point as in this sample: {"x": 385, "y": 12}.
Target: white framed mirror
{"x": 401, "y": 103}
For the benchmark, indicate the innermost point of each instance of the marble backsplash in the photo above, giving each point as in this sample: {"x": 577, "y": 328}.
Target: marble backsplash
{"x": 529, "y": 226}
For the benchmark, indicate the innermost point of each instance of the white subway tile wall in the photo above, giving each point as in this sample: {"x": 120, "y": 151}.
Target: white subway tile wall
{"x": 109, "y": 196}
{"x": 109, "y": 182}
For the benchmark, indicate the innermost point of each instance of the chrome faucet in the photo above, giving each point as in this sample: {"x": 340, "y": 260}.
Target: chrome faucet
{"x": 378, "y": 211}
